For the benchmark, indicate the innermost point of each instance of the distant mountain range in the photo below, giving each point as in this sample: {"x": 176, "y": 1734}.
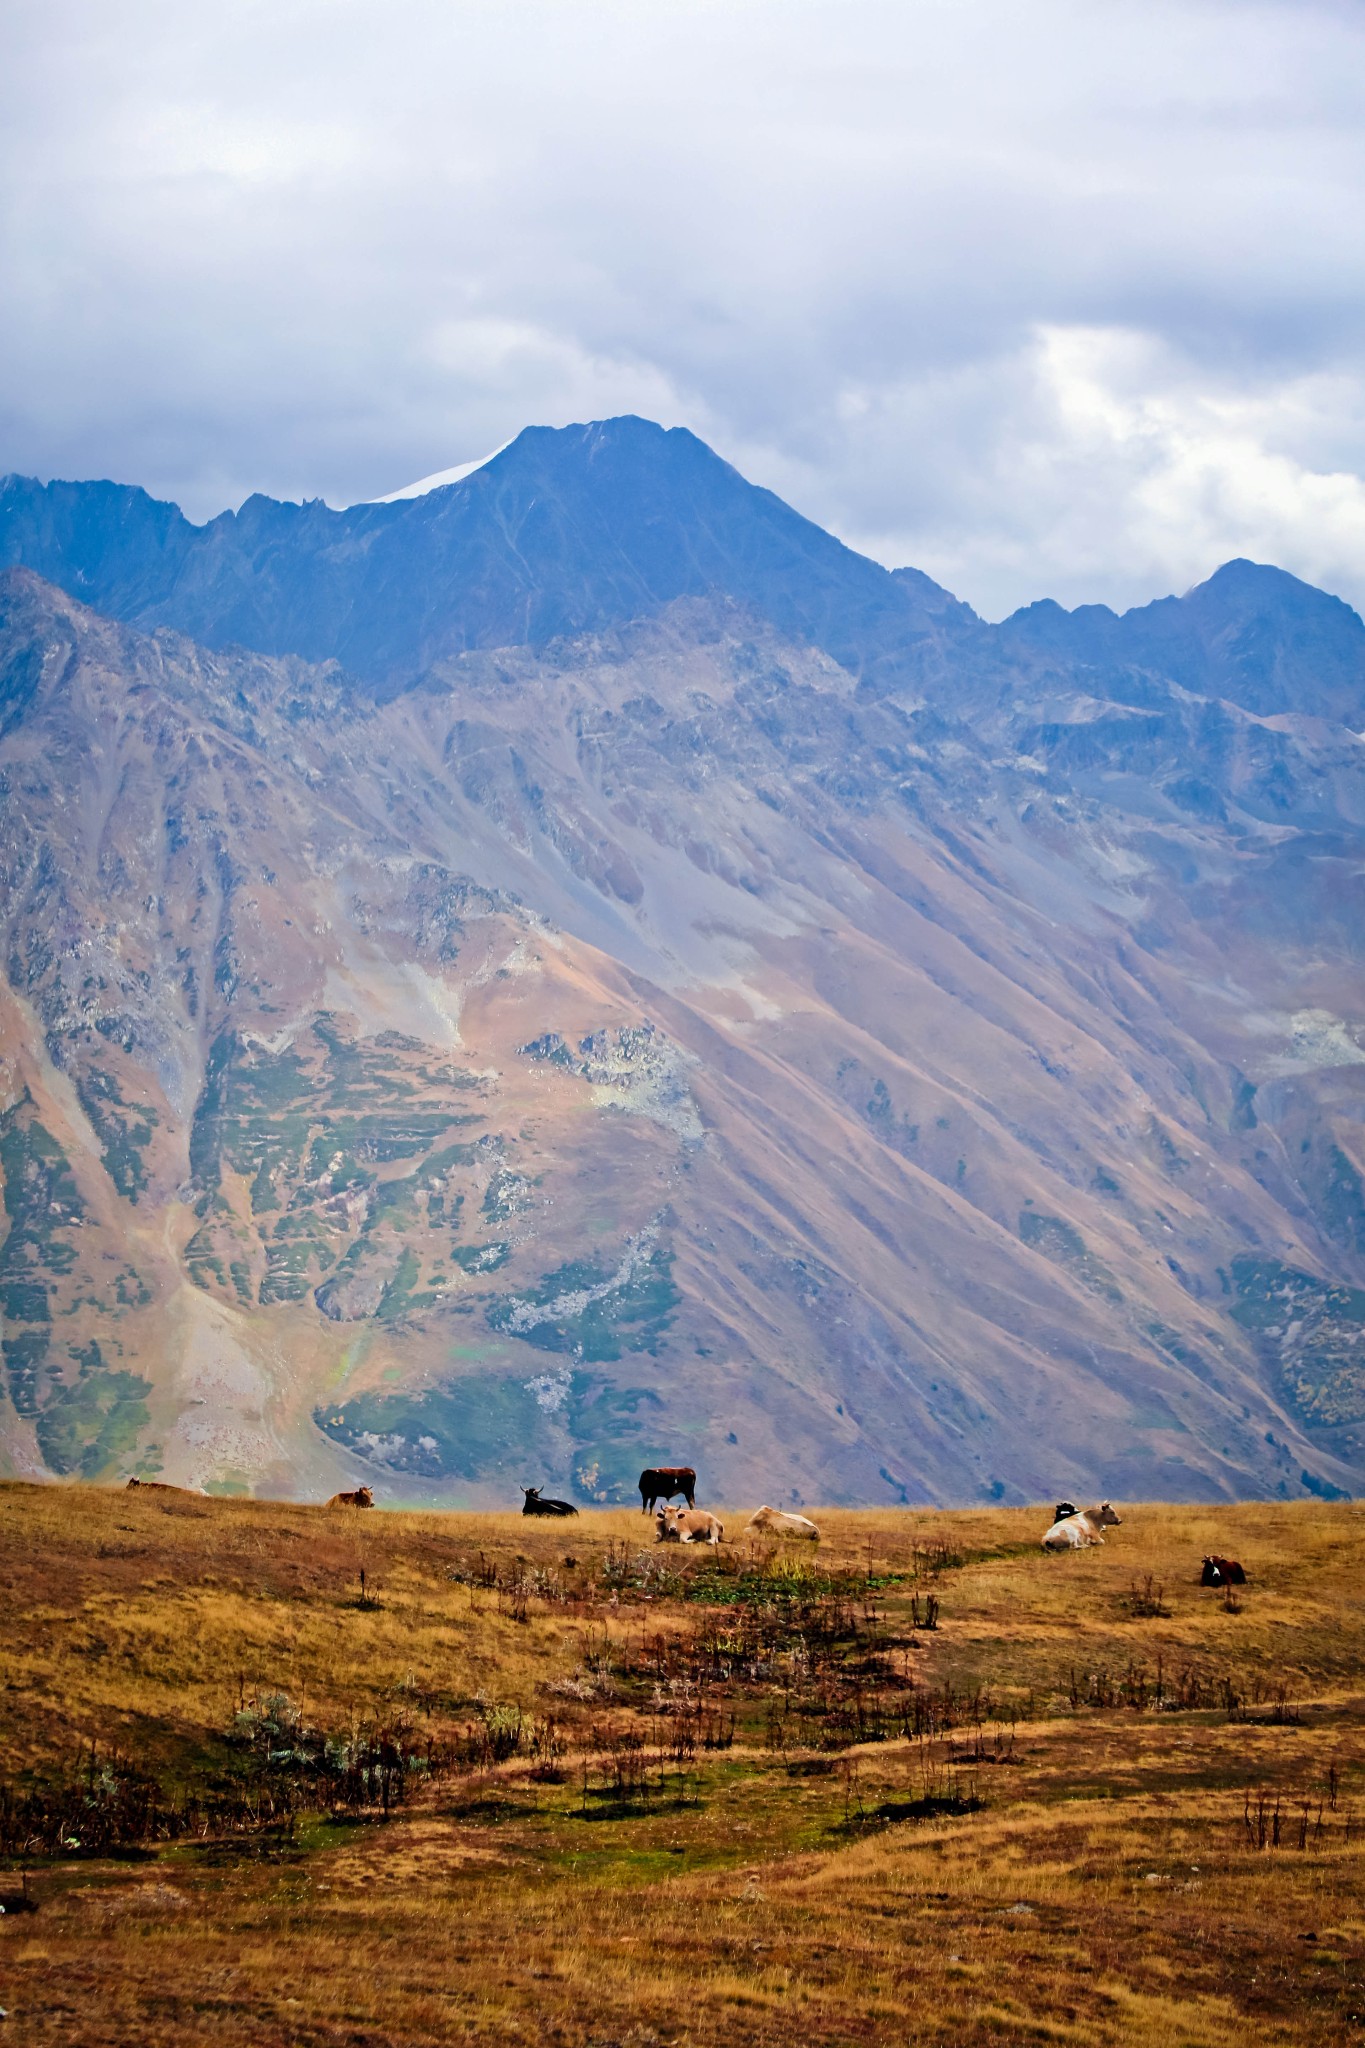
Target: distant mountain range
{"x": 580, "y": 968}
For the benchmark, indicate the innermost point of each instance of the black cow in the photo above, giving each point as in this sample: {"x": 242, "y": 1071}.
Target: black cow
{"x": 534, "y": 1505}
{"x": 1063, "y": 1509}
{"x": 661, "y": 1482}
{"x": 1222, "y": 1571}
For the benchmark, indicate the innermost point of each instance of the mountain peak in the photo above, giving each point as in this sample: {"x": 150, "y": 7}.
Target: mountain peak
{"x": 566, "y": 531}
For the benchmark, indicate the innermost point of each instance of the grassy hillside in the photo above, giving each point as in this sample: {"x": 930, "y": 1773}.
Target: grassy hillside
{"x": 289, "y": 1775}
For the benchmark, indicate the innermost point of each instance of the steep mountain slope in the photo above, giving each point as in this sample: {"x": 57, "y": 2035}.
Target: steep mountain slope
{"x": 663, "y": 1043}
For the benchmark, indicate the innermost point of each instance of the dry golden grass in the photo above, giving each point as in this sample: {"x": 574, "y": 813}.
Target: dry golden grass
{"x": 1107, "y": 1890}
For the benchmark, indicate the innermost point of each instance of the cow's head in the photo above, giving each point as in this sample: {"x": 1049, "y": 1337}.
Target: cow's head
{"x": 666, "y": 1525}
{"x": 363, "y": 1497}
{"x": 1108, "y": 1519}
{"x": 531, "y": 1492}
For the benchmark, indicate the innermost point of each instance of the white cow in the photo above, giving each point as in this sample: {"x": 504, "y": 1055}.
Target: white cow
{"x": 776, "y": 1522}
{"x": 1074, "y": 1532}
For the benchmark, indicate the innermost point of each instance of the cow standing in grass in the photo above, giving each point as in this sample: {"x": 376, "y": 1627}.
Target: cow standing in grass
{"x": 1075, "y": 1532}
{"x": 661, "y": 1482}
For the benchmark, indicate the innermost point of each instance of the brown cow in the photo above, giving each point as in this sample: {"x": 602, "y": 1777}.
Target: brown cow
{"x": 1222, "y": 1571}
{"x": 663, "y": 1481}
{"x": 361, "y": 1498}
{"x": 136, "y": 1485}
{"x": 687, "y": 1525}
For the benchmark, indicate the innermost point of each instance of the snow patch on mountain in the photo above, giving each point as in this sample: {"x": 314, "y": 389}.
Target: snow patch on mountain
{"x": 439, "y": 479}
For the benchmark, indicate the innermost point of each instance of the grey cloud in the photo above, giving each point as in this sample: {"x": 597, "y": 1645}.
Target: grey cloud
{"x": 1049, "y": 298}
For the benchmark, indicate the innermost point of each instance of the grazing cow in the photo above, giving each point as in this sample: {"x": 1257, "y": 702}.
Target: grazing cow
{"x": 533, "y": 1504}
{"x": 776, "y": 1522}
{"x": 361, "y": 1498}
{"x": 136, "y": 1485}
{"x": 1222, "y": 1571}
{"x": 663, "y": 1481}
{"x": 687, "y": 1525}
{"x": 1074, "y": 1532}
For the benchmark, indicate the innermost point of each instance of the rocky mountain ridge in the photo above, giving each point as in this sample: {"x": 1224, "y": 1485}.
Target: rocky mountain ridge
{"x": 933, "y": 1073}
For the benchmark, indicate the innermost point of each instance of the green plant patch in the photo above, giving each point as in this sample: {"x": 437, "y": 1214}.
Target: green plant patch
{"x": 1313, "y": 1331}
{"x": 592, "y": 1310}
{"x": 616, "y": 1433}
{"x": 124, "y": 1129}
{"x": 327, "y": 1117}
{"x": 398, "y": 1295}
{"x": 1343, "y": 1201}
{"x": 87, "y": 1427}
{"x": 481, "y": 1258}
{"x": 1056, "y": 1239}
{"x": 42, "y": 1201}
{"x": 25, "y": 1354}
{"x": 294, "y": 1256}
{"x": 131, "y": 1290}
{"x": 468, "y": 1429}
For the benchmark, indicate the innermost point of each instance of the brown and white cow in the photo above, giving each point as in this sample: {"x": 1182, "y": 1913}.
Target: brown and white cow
{"x": 1222, "y": 1571}
{"x": 777, "y": 1522}
{"x": 361, "y": 1498}
{"x": 1074, "y": 1532}
{"x": 687, "y": 1525}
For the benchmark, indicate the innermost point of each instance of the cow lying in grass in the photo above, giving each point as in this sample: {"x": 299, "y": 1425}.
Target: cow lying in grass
{"x": 687, "y": 1525}
{"x": 136, "y": 1485}
{"x": 1074, "y": 1532}
{"x": 534, "y": 1503}
{"x": 361, "y": 1498}
{"x": 776, "y": 1522}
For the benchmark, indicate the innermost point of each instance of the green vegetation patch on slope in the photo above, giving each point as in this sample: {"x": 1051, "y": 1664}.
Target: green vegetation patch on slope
{"x": 491, "y": 1423}
{"x": 594, "y": 1311}
{"x": 465, "y": 1430}
{"x": 42, "y": 1205}
{"x": 315, "y": 1129}
{"x": 88, "y": 1427}
{"x": 124, "y": 1129}
{"x": 1315, "y": 1331}
{"x": 1056, "y": 1239}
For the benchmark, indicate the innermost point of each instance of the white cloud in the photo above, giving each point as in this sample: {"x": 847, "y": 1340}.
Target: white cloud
{"x": 1050, "y": 298}
{"x": 1105, "y": 467}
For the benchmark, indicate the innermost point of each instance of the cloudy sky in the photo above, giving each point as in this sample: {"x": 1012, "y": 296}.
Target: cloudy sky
{"x": 1045, "y": 298}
